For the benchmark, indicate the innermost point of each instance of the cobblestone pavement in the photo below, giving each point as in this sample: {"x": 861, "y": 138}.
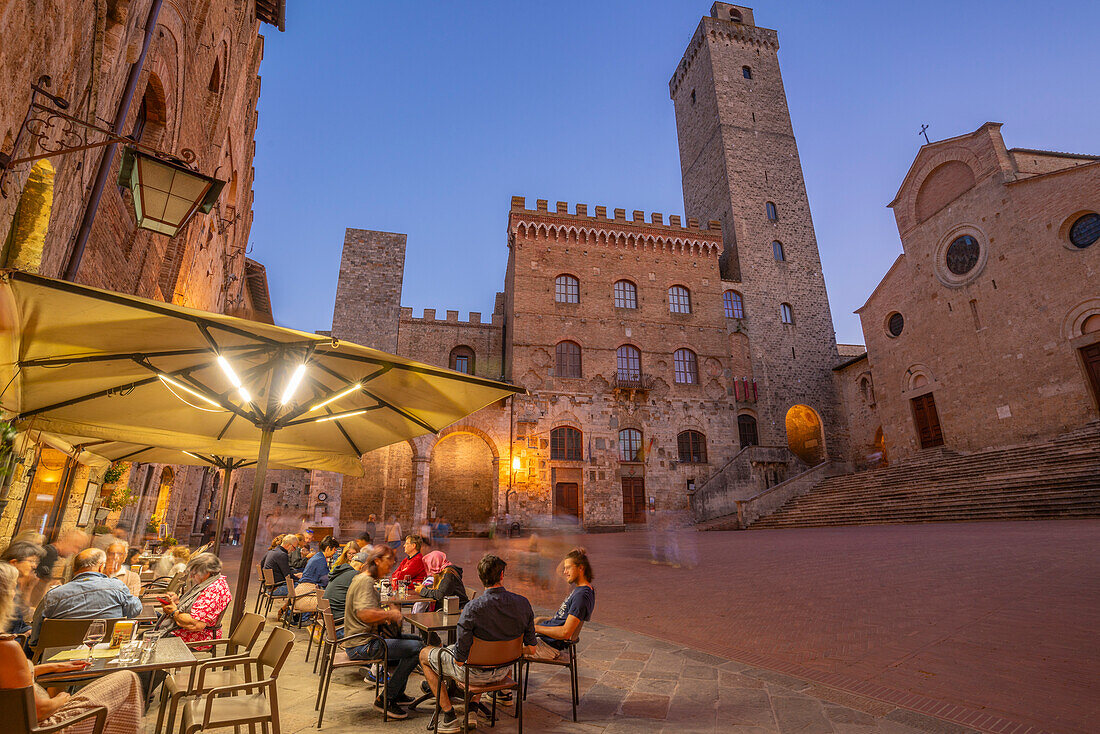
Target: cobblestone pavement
{"x": 987, "y": 625}
{"x": 628, "y": 683}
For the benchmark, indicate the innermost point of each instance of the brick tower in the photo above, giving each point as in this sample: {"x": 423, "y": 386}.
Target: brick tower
{"x": 740, "y": 165}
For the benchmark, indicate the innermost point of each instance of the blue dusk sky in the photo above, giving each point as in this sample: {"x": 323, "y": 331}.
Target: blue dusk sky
{"x": 425, "y": 118}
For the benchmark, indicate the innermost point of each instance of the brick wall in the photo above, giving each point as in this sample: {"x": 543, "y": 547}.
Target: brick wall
{"x": 368, "y": 292}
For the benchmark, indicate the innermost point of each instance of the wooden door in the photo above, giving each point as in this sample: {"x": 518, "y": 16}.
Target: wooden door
{"x": 1091, "y": 356}
{"x": 633, "y": 499}
{"x": 567, "y": 499}
{"x": 928, "y": 421}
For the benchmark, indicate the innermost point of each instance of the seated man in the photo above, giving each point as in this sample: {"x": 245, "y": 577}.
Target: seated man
{"x": 412, "y": 569}
{"x": 300, "y": 556}
{"x": 90, "y": 595}
{"x": 496, "y": 615}
{"x": 555, "y": 632}
{"x": 278, "y": 560}
{"x": 314, "y": 577}
{"x": 116, "y": 554}
{"x": 364, "y": 613}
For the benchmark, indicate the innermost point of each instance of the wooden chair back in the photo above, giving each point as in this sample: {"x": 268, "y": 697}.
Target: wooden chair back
{"x": 268, "y": 575}
{"x": 494, "y": 654}
{"x": 65, "y": 633}
{"x": 290, "y": 587}
{"x": 330, "y": 623}
{"x": 177, "y": 582}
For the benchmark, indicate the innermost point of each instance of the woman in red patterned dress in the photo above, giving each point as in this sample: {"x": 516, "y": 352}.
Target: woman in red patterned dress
{"x": 197, "y": 615}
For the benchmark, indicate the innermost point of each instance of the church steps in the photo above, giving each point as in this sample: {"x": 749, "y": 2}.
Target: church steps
{"x": 1059, "y": 478}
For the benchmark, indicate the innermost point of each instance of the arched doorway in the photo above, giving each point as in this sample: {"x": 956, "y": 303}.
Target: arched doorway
{"x": 805, "y": 437}
{"x": 460, "y": 480}
{"x": 27, "y": 236}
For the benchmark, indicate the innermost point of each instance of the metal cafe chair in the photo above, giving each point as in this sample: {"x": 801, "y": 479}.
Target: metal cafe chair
{"x": 486, "y": 655}
{"x": 218, "y": 707}
{"x": 570, "y": 662}
{"x": 334, "y": 656}
{"x": 20, "y": 716}
{"x": 65, "y": 633}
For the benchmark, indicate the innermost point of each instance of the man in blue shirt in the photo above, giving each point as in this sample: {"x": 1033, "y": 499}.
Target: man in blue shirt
{"x": 556, "y": 632}
{"x": 90, "y": 595}
{"x": 496, "y": 615}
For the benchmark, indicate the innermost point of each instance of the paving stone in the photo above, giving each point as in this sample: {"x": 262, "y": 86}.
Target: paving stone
{"x": 745, "y": 707}
{"x": 796, "y": 715}
{"x": 626, "y": 664}
{"x": 646, "y": 705}
{"x": 730, "y": 678}
{"x": 702, "y": 672}
{"x": 779, "y": 679}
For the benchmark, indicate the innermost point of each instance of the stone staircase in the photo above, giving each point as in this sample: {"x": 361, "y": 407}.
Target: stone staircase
{"x": 1059, "y": 478}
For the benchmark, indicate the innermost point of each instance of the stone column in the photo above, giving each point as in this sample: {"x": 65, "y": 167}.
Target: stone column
{"x": 496, "y": 486}
{"x": 420, "y": 496}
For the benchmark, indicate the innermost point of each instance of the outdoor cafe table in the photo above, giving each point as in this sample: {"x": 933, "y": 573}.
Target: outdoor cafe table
{"x": 171, "y": 652}
{"x": 407, "y": 600}
{"x": 428, "y": 622}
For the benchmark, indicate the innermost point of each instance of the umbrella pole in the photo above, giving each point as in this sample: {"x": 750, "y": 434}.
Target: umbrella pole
{"x": 222, "y": 504}
{"x": 245, "y": 572}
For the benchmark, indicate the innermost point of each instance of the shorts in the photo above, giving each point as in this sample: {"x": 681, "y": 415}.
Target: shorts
{"x": 445, "y": 666}
{"x": 543, "y": 651}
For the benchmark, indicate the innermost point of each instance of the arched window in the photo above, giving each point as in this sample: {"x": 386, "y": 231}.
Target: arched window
{"x": 565, "y": 444}
{"x": 746, "y": 431}
{"x": 786, "y": 313}
{"x": 777, "y": 251}
{"x": 626, "y": 294}
{"x": 734, "y": 304}
{"x": 630, "y": 445}
{"x": 567, "y": 289}
{"x": 628, "y": 361}
{"x": 692, "y": 447}
{"x": 679, "y": 299}
{"x": 773, "y": 215}
{"x": 735, "y": 15}
{"x": 567, "y": 359}
{"x": 746, "y": 72}
{"x": 462, "y": 360}
{"x": 686, "y": 367}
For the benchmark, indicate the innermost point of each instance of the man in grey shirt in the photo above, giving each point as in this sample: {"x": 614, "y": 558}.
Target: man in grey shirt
{"x": 90, "y": 595}
{"x": 363, "y": 613}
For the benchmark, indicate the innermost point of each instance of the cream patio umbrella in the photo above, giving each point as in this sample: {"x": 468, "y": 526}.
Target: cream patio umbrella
{"x": 79, "y": 361}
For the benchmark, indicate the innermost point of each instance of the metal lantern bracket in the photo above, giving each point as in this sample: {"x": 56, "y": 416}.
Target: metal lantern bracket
{"x": 58, "y": 133}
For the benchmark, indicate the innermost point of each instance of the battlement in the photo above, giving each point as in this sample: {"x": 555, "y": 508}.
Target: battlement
{"x": 720, "y": 26}
{"x": 637, "y": 217}
{"x": 474, "y": 318}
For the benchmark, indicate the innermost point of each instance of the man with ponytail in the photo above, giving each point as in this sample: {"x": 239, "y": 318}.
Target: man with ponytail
{"x": 554, "y": 633}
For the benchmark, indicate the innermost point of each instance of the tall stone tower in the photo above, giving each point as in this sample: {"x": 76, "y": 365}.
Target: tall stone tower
{"x": 740, "y": 165}
{"x": 368, "y": 293}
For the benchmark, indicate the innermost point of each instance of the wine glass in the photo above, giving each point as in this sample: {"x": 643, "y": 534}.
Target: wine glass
{"x": 94, "y": 635}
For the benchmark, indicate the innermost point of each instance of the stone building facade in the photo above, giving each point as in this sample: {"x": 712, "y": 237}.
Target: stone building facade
{"x": 985, "y": 332}
{"x": 197, "y": 90}
{"x": 654, "y": 352}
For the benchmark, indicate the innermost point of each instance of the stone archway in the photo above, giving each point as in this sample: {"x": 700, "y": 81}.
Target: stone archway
{"x": 805, "y": 435}
{"x": 462, "y": 480}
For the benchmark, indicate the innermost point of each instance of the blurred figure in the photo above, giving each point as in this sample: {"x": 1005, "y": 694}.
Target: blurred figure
{"x": 24, "y": 556}
{"x": 393, "y": 533}
{"x": 115, "y": 568}
{"x": 119, "y": 534}
{"x": 371, "y": 526}
{"x": 315, "y": 576}
{"x": 172, "y": 562}
{"x": 301, "y": 553}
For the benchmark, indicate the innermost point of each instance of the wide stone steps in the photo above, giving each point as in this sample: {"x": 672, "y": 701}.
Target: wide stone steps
{"x": 1055, "y": 479}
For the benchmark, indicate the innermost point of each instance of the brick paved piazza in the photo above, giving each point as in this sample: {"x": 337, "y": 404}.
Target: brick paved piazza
{"x": 999, "y": 618}
{"x": 902, "y": 629}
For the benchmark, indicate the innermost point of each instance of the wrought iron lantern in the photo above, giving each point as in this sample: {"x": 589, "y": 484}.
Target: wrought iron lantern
{"x": 166, "y": 193}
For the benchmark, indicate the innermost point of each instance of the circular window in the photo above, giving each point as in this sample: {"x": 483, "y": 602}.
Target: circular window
{"x": 895, "y": 324}
{"x": 1085, "y": 231}
{"x": 963, "y": 254}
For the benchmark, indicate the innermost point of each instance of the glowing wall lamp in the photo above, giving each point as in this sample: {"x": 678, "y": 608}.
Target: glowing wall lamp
{"x": 166, "y": 193}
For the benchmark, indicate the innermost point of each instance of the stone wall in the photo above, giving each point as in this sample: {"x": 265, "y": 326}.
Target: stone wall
{"x": 368, "y": 292}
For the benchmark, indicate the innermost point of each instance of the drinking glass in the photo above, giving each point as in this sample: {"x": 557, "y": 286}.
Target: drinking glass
{"x": 149, "y": 643}
{"x": 130, "y": 653}
{"x": 94, "y": 635}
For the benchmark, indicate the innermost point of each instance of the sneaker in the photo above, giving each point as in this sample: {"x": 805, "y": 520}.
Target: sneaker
{"x": 393, "y": 710}
{"x": 448, "y": 723}
{"x": 426, "y": 688}
{"x": 404, "y": 699}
